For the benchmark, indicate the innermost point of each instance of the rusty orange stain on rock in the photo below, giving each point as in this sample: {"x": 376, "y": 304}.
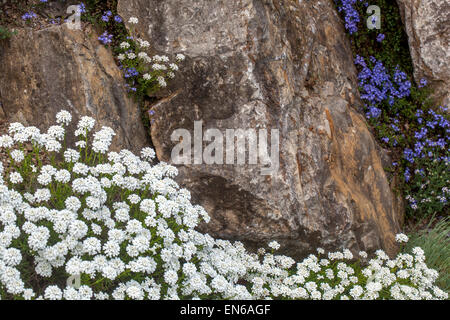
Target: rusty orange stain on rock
{"x": 330, "y": 121}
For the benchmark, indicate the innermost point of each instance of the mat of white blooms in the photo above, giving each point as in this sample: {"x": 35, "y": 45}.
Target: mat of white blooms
{"x": 127, "y": 230}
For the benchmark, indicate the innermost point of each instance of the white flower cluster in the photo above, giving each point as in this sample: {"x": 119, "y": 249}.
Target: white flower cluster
{"x": 133, "y": 20}
{"x": 126, "y": 228}
{"x": 157, "y": 68}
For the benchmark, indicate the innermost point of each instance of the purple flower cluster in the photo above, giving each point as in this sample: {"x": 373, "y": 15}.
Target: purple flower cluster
{"x": 131, "y": 72}
{"x": 423, "y": 82}
{"x": 55, "y": 21}
{"x": 377, "y": 86}
{"x": 351, "y": 15}
{"x": 82, "y": 8}
{"x": 381, "y": 37}
{"x": 130, "y": 88}
{"x": 424, "y": 146}
{"x": 430, "y": 151}
{"x": 403, "y": 120}
{"x": 106, "y": 16}
{"x": 29, "y": 15}
{"x": 105, "y": 38}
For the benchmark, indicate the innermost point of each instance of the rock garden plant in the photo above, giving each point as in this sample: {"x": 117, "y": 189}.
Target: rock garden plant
{"x": 122, "y": 226}
{"x": 403, "y": 118}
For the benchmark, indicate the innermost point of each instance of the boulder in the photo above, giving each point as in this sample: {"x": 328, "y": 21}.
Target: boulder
{"x": 273, "y": 65}
{"x": 58, "y": 68}
{"x": 427, "y": 23}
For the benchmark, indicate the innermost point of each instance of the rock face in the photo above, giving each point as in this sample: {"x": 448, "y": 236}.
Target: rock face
{"x": 275, "y": 65}
{"x": 57, "y": 68}
{"x": 427, "y": 24}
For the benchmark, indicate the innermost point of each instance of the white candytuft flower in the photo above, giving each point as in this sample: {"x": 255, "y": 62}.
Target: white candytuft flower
{"x": 63, "y": 117}
{"x": 17, "y": 156}
{"x": 85, "y": 125}
{"x": 148, "y": 154}
{"x": 274, "y": 245}
{"x": 401, "y": 238}
{"x": 128, "y": 230}
{"x": 133, "y": 20}
{"x": 15, "y": 178}
{"x": 6, "y": 141}
{"x": 162, "y": 82}
{"x": 124, "y": 45}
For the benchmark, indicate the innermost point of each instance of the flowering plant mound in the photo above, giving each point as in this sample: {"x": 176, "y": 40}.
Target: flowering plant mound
{"x": 144, "y": 74}
{"x": 123, "y": 229}
{"x": 399, "y": 110}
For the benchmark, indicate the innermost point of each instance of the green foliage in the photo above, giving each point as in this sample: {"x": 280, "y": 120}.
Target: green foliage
{"x": 394, "y": 49}
{"x": 5, "y": 33}
{"x": 423, "y": 180}
{"x": 435, "y": 241}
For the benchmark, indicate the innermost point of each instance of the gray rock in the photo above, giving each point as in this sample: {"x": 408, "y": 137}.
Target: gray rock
{"x": 57, "y": 68}
{"x": 281, "y": 65}
{"x": 427, "y": 24}
{"x": 57, "y": 8}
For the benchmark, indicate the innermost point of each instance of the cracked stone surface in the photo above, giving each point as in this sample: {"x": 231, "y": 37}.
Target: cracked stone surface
{"x": 427, "y": 23}
{"x": 281, "y": 65}
{"x": 57, "y": 68}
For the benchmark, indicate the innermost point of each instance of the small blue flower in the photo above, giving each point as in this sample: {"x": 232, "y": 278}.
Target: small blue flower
{"x": 380, "y": 37}
{"x": 105, "y": 38}
{"x": 82, "y": 7}
{"x": 351, "y": 16}
{"x": 29, "y": 15}
{"x": 131, "y": 72}
{"x": 407, "y": 175}
{"x": 423, "y": 82}
{"x": 396, "y": 129}
{"x": 106, "y": 16}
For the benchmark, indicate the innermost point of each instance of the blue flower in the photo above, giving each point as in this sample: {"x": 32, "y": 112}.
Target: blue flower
{"x": 351, "y": 16}
{"x": 423, "y": 82}
{"x": 82, "y": 7}
{"x": 396, "y": 129}
{"x": 373, "y": 112}
{"x": 105, "y": 38}
{"x": 408, "y": 154}
{"x": 380, "y": 37}
{"x": 29, "y": 15}
{"x": 377, "y": 85}
{"x": 407, "y": 175}
{"x": 106, "y": 16}
{"x": 131, "y": 72}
